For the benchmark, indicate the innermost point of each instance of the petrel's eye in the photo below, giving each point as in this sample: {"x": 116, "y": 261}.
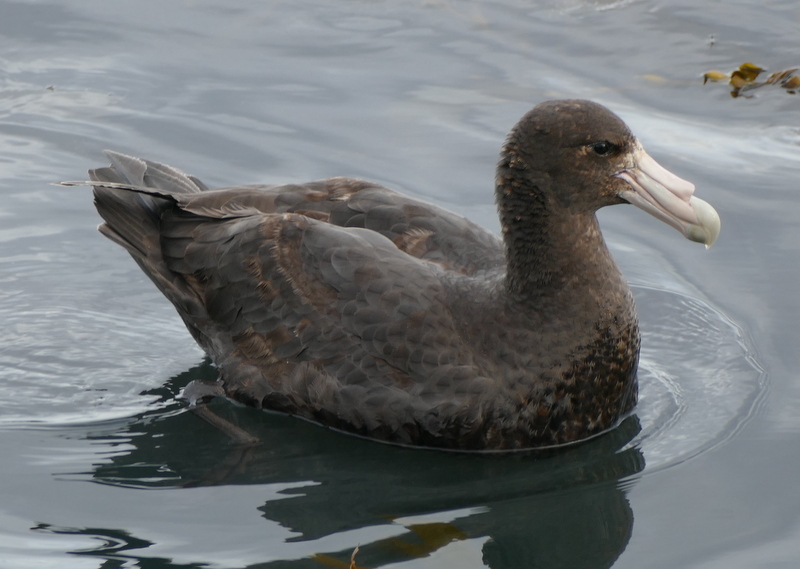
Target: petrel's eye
{"x": 603, "y": 148}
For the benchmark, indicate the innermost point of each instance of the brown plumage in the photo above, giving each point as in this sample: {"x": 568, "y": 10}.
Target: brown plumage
{"x": 351, "y": 305}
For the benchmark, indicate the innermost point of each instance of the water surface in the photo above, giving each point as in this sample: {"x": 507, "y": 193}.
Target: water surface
{"x": 105, "y": 468}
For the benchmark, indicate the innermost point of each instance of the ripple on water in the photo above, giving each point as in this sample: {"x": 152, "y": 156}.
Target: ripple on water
{"x": 698, "y": 378}
{"x": 67, "y": 365}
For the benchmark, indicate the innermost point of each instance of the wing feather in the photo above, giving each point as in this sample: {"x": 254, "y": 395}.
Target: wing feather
{"x": 304, "y": 294}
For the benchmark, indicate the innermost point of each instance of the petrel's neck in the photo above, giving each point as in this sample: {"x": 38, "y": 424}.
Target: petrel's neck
{"x": 550, "y": 251}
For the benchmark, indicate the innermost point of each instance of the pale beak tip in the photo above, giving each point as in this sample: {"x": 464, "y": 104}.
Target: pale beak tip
{"x": 708, "y": 225}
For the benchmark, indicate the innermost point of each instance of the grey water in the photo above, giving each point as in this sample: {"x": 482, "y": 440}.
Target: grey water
{"x": 102, "y": 465}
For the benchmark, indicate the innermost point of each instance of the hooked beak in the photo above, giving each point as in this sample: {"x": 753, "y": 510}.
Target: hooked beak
{"x": 664, "y": 195}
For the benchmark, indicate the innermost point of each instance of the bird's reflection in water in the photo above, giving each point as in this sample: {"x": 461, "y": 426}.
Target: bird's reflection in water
{"x": 551, "y": 509}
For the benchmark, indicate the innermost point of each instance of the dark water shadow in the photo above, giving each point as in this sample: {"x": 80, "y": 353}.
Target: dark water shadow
{"x": 564, "y": 509}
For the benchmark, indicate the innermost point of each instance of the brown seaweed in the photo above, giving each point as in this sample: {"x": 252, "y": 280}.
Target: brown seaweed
{"x": 743, "y": 79}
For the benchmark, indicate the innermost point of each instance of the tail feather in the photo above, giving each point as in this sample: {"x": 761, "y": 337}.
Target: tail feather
{"x": 129, "y": 220}
{"x": 132, "y": 217}
{"x": 138, "y": 172}
{"x": 126, "y": 168}
{"x": 132, "y": 196}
